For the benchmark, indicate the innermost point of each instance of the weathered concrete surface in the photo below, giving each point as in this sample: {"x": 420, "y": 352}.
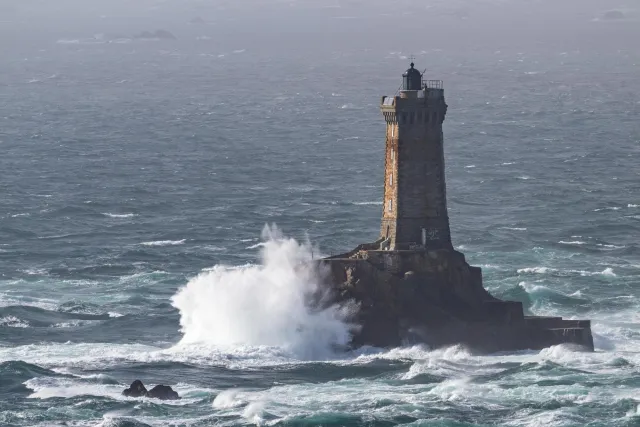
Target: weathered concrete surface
{"x": 435, "y": 297}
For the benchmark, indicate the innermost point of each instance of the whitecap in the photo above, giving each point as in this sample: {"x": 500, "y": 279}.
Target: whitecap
{"x": 634, "y": 412}
{"x": 164, "y": 242}
{"x": 228, "y": 399}
{"x": 373, "y": 202}
{"x": 537, "y": 270}
{"x": 13, "y": 322}
{"x": 572, "y": 242}
{"x": 608, "y": 208}
{"x": 611, "y": 246}
{"x": 633, "y": 206}
{"x": 112, "y": 215}
{"x": 214, "y": 248}
{"x": 608, "y": 272}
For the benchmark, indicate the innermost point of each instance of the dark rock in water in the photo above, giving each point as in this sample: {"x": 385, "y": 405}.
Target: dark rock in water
{"x": 163, "y": 392}
{"x": 158, "y": 34}
{"x": 613, "y": 14}
{"x": 136, "y": 389}
{"x": 435, "y": 297}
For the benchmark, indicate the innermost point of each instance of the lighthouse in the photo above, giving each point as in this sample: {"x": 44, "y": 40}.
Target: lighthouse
{"x": 411, "y": 285}
{"x": 415, "y": 201}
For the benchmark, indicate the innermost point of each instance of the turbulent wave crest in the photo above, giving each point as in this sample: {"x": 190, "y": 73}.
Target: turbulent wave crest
{"x": 267, "y": 304}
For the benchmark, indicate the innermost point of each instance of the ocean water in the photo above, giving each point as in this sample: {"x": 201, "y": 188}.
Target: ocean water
{"x": 137, "y": 177}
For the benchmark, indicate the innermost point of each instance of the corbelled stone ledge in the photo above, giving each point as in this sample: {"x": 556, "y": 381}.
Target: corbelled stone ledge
{"x": 435, "y": 297}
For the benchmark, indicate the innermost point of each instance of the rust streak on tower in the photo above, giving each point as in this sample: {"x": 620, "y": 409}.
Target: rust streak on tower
{"x": 415, "y": 200}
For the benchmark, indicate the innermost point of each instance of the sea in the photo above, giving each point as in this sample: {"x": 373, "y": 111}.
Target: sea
{"x": 157, "y": 196}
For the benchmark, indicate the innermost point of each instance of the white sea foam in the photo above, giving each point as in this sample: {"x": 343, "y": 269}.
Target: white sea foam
{"x": 373, "y": 202}
{"x": 572, "y": 242}
{"x": 44, "y": 303}
{"x": 228, "y": 399}
{"x": 13, "y": 322}
{"x": 538, "y": 270}
{"x": 263, "y": 305}
{"x": 633, "y": 206}
{"x": 164, "y": 243}
{"x": 634, "y": 412}
{"x": 254, "y": 412}
{"x": 50, "y": 387}
{"x": 544, "y": 270}
{"x": 112, "y": 215}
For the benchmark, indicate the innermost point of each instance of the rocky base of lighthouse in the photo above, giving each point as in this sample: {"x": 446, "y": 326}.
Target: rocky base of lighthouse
{"x": 436, "y": 297}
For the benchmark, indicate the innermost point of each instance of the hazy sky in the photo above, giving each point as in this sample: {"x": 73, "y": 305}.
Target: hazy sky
{"x": 357, "y": 23}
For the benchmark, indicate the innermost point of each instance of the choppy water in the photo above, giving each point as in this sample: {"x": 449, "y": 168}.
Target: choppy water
{"x": 130, "y": 167}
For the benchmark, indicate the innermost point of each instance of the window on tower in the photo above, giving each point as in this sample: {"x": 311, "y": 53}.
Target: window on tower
{"x": 390, "y": 179}
{"x": 389, "y": 205}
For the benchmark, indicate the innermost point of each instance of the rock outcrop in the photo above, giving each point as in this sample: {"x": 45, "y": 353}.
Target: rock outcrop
{"x": 435, "y": 297}
{"x": 162, "y": 392}
{"x": 136, "y": 389}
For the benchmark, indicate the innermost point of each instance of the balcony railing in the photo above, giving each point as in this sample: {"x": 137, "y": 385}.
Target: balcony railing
{"x": 433, "y": 84}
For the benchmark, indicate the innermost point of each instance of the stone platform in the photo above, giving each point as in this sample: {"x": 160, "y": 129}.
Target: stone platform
{"x": 436, "y": 297}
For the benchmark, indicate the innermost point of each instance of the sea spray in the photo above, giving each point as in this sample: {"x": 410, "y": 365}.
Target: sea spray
{"x": 267, "y": 304}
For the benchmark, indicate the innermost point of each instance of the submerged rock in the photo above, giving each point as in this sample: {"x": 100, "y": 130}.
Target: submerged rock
{"x": 136, "y": 389}
{"x": 162, "y": 392}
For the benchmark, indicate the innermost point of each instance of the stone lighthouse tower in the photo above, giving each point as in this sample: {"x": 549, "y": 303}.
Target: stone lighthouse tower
{"x": 411, "y": 285}
{"x": 415, "y": 204}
